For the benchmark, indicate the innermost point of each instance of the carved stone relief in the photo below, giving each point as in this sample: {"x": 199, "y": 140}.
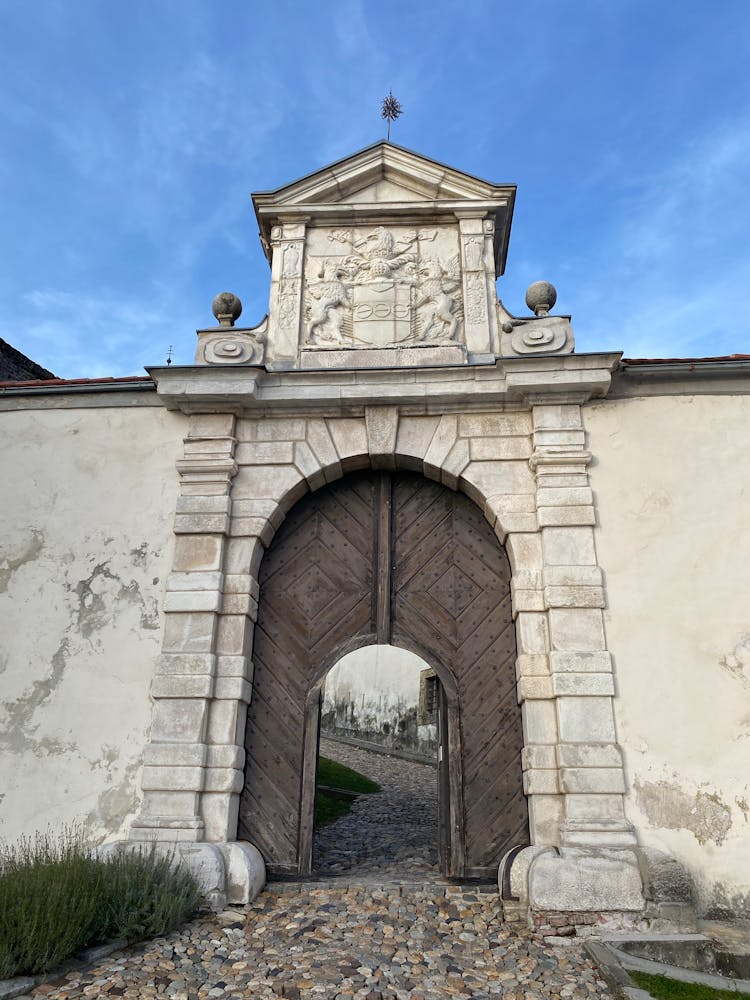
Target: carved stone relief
{"x": 287, "y": 245}
{"x": 476, "y": 304}
{"x": 379, "y": 288}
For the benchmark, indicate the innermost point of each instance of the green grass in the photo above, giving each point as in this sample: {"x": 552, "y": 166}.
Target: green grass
{"x": 57, "y": 898}
{"x": 337, "y": 776}
{"x": 334, "y": 775}
{"x": 327, "y": 809}
{"x": 663, "y": 988}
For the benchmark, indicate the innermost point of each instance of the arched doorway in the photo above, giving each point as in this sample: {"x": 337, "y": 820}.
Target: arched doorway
{"x": 386, "y": 558}
{"x": 379, "y": 716}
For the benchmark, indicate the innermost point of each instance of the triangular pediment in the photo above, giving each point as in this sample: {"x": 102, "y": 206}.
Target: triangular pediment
{"x": 386, "y": 173}
{"x": 385, "y": 181}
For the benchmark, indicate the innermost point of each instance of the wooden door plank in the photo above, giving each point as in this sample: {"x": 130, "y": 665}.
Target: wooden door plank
{"x": 316, "y": 585}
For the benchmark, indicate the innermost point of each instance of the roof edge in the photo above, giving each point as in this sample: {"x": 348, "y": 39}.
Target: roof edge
{"x": 35, "y": 387}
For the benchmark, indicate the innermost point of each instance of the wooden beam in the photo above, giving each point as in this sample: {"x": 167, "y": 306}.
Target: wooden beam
{"x": 383, "y": 558}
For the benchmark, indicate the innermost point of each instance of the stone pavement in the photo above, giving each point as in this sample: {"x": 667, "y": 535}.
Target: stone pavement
{"x": 311, "y": 940}
{"x": 385, "y": 928}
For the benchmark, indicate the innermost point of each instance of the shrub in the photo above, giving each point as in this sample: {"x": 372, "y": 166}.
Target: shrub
{"x": 56, "y": 898}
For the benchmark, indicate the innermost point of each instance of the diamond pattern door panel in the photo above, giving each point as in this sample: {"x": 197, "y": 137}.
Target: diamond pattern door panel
{"x": 451, "y": 589}
{"x": 316, "y": 592}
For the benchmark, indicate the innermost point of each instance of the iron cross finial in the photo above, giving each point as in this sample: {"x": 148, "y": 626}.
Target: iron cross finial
{"x": 169, "y": 355}
{"x": 390, "y": 110}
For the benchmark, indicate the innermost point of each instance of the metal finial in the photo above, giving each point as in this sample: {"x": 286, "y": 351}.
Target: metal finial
{"x": 169, "y": 355}
{"x": 390, "y": 110}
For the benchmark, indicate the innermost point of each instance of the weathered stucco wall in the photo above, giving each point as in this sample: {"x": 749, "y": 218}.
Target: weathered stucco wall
{"x": 671, "y": 477}
{"x": 88, "y": 498}
{"x": 372, "y": 694}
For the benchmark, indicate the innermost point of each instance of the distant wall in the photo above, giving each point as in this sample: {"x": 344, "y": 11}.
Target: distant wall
{"x": 671, "y": 476}
{"x": 372, "y": 694}
{"x": 88, "y": 496}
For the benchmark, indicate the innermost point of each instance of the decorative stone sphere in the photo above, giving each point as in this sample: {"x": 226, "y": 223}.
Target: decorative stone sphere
{"x": 226, "y": 308}
{"x": 541, "y": 297}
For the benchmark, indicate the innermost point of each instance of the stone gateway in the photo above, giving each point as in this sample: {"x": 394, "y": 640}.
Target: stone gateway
{"x": 390, "y": 457}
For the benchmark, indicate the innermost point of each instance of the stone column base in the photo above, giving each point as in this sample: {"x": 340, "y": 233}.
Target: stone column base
{"x": 228, "y": 873}
{"x": 581, "y": 891}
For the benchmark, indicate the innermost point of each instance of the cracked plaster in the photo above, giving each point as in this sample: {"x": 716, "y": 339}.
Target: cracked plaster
{"x": 87, "y": 575}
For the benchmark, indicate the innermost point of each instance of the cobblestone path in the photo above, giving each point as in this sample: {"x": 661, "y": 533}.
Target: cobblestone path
{"x": 392, "y": 833}
{"x": 383, "y": 926}
{"x": 346, "y": 941}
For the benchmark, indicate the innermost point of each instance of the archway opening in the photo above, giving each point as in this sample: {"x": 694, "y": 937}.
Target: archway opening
{"x": 380, "y": 713}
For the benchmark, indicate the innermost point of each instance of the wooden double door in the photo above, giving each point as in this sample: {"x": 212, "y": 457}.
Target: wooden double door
{"x": 386, "y": 558}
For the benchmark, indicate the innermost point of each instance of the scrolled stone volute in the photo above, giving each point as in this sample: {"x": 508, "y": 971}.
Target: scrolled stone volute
{"x": 541, "y": 297}
{"x": 227, "y": 308}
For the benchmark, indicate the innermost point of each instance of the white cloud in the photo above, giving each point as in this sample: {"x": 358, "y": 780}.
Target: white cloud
{"x": 79, "y": 335}
{"x": 664, "y": 279}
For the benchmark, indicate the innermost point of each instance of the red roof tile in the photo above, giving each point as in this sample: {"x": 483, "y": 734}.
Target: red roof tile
{"x": 74, "y": 381}
{"x": 684, "y": 361}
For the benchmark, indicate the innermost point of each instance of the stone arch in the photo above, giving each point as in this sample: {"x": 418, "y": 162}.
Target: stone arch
{"x": 312, "y": 611}
{"x": 307, "y": 475}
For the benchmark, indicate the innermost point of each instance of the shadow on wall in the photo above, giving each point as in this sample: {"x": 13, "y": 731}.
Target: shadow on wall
{"x": 382, "y": 695}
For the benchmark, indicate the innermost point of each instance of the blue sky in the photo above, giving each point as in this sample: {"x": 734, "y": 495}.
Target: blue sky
{"x": 133, "y": 134}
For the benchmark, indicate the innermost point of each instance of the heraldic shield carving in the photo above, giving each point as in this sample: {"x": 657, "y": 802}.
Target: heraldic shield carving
{"x": 370, "y": 288}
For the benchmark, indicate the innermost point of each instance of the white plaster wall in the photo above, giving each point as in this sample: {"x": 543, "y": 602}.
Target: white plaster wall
{"x": 373, "y": 688}
{"x": 671, "y": 477}
{"x": 88, "y": 498}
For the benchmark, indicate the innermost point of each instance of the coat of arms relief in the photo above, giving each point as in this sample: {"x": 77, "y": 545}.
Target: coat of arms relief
{"x": 383, "y": 289}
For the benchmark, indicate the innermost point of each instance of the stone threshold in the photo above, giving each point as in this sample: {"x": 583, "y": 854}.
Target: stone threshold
{"x": 442, "y": 886}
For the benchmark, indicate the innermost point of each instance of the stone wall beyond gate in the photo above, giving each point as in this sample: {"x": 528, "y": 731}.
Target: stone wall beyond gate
{"x": 672, "y": 482}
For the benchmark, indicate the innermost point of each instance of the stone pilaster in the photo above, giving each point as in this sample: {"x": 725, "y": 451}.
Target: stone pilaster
{"x": 478, "y": 277}
{"x": 178, "y": 761}
{"x": 285, "y": 310}
{"x": 587, "y": 756}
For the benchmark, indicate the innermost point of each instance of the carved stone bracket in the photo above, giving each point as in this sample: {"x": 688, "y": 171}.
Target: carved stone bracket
{"x": 538, "y": 335}
{"x": 232, "y": 346}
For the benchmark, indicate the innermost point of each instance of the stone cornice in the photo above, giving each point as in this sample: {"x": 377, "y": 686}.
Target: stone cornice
{"x": 506, "y": 382}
